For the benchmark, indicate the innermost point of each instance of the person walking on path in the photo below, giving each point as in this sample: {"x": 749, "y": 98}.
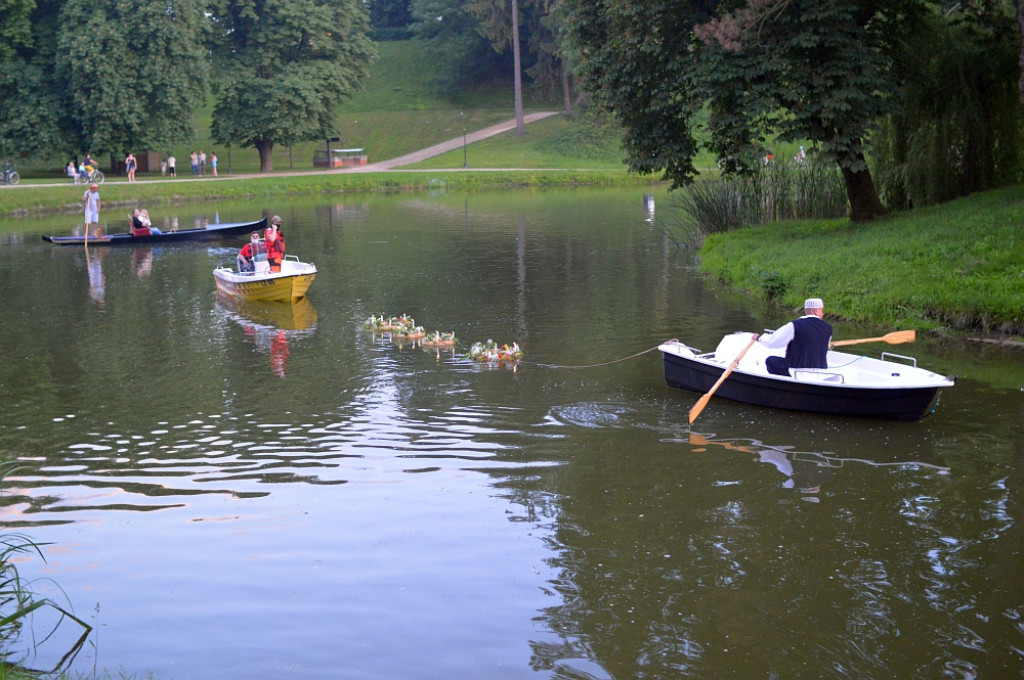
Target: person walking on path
{"x": 170, "y": 166}
{"x": 194, "y": 160}
{"x": 91, "y": 201}
{"x": 213, "y": 163}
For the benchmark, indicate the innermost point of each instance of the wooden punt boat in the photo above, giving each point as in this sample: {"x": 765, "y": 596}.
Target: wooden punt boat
{"x": 287, "y": 285}
{"x": 212, "y": 232}
{"x": 852, "y": 384}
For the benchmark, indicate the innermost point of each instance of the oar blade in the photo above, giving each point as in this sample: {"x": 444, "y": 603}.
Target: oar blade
{"x": 900, "y": 337}
{"x": 699, "y": 406}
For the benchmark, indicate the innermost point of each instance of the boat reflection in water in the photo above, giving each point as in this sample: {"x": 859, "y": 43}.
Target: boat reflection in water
{"x": 805, "y": 471}
{"x": 271, "y": 326}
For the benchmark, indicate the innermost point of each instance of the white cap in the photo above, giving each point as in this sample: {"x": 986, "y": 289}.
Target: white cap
{"x": 814, "y": 303}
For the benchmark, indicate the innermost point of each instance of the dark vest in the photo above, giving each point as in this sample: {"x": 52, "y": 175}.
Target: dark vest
{"x": 809, "y": 345}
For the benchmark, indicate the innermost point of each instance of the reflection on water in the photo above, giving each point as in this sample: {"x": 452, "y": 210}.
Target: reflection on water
{"x": 413, "y": 513}
{"x": 805, "y": 471}
{"x": 94, "y": 269}
{"x": 142, "y": 261}
{"x": 271, "y": 326}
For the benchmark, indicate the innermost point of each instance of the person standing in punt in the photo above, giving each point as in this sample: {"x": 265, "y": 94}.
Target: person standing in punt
{"x": 91, "y": 201}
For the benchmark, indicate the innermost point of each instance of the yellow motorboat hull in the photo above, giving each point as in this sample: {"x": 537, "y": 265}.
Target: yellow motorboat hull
{"x": 288, "y": 285}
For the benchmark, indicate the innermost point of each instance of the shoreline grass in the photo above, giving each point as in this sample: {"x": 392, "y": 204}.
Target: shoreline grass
{"x": 28, "y": 200}
{"x": 955, "y": 268}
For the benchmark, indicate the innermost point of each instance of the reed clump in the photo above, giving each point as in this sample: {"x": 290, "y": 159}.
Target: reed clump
{"x": 20, "y": 606}
{"x": 780, "y": 191}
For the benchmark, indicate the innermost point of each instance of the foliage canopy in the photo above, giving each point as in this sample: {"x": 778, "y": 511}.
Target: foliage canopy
{"x": 283, "y": 66}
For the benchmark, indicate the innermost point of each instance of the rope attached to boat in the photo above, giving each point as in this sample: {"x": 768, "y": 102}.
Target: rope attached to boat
{"x": 607, "y": 363}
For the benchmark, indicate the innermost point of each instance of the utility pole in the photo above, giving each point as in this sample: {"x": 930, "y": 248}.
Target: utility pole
{"x": 465, "y": 158}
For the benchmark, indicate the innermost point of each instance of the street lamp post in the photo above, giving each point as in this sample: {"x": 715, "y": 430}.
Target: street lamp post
{"x": 465, "y": 160}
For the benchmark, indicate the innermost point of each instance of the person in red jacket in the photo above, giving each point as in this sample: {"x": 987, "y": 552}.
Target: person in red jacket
{"x": 275, "y": 244}
{"x": 247, "y": 255}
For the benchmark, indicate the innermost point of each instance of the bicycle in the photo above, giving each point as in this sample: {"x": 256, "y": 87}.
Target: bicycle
{"x": 9, "y": 176}
{"x": 91, "y": 177}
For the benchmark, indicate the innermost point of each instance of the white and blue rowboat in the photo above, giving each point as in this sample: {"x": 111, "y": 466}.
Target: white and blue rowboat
{"x": 892, "y": 387}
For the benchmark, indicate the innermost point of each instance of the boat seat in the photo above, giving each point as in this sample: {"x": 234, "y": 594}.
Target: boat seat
{"x": 817, "y": 375}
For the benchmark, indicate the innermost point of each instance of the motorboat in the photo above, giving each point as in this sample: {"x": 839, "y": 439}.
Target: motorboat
{"x": 288, "y": 285}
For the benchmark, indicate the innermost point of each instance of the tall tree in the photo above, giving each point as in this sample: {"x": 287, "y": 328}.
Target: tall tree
{"x": 455, "y": 46}
{"x": 499, "y": 23}
{"x": 15, "y": 27}
{"x": 132, "y": 72}
{"x": 390, "y": 19}
{"x": 19, "y": 80}
{"x": 284, "y": 66}
{"x": 802, "y": 69}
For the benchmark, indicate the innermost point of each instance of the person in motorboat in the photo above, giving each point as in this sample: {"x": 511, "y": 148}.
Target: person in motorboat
{"x": 247, "y": 255}
{"x": 275, "y": 244}
{"x": 806, "y": 341}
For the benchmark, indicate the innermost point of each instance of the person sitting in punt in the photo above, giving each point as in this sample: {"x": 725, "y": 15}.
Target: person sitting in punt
{"x": 138, "y": 228}
{"x": 247, "y": 255}
{"x": 148, "y": 223}
{"x": 806, "y": 341}
{"x": 275, "y": 244}
{"x": 141, "y": 225}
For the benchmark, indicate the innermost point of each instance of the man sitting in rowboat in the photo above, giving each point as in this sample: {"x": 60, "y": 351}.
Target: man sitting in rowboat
{"x": 806, "y": 341}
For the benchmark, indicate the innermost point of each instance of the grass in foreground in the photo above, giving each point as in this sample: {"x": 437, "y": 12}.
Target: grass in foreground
{"x": 957, "y": 266}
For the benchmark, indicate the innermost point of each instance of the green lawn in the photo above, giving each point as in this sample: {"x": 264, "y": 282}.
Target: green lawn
{"x": 956, "y": 266}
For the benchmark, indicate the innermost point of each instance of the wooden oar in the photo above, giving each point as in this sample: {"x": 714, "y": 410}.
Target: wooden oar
{"x": 894, "y": 338}
{"x": 703, "y": 401}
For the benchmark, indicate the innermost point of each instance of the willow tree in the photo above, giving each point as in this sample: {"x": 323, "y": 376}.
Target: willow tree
{"x": 958, "y": 124}
{"x": 799, "y": 69}
{"x": 283, "y": 68}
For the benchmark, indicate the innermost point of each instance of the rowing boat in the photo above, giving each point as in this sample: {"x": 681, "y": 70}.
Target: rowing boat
{"x": 212, "y": 232}
{"x": 287, "y": 285}
{"x": 892, "y": 387}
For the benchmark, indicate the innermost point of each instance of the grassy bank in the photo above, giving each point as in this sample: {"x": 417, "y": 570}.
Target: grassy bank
{"x": 957, "y": 267}
{"x": 25, "y": 200}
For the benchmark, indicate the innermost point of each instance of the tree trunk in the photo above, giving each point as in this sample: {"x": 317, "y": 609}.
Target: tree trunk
{"x": 860, "y": 190}
{"x": 520, "y": 125}
{"x": 567, "y": 95}
{"x": 1020, "y": 59}
{"x": 266, "y": 150}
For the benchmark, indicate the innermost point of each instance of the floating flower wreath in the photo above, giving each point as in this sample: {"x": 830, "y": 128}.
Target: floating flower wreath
{"x": 490, "y": 352}
{"x": 389, "y": 324}
{"x": 438, "y": 339}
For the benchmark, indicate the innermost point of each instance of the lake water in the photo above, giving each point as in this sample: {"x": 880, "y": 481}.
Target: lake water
{"x": 241, "y": 491}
